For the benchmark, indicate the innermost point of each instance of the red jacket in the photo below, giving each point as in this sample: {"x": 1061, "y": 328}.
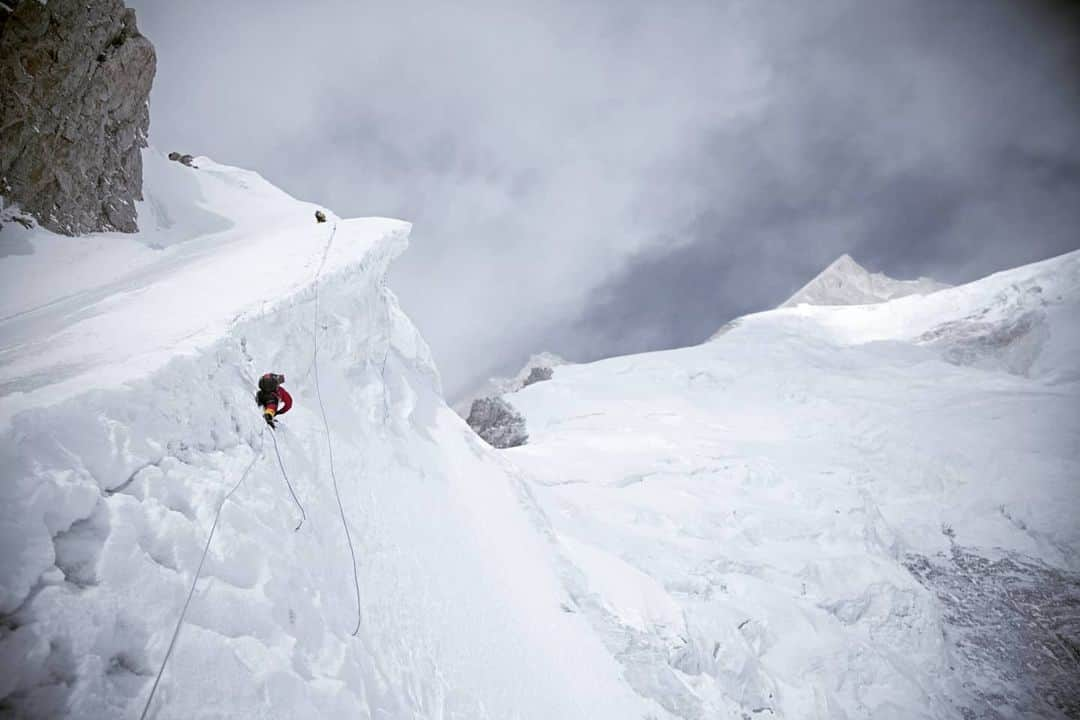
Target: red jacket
{"x": 286, "y": 400}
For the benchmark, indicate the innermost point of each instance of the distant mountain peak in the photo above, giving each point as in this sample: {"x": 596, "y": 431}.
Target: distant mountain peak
{"x": 846, "y": 282}
{"x": 843, "y": 262}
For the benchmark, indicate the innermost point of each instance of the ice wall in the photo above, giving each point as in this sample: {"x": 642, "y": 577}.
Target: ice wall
{"x": 109, "y": 492}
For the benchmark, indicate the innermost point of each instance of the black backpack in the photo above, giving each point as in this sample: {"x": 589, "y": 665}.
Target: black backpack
{"x": 268, "y": 385}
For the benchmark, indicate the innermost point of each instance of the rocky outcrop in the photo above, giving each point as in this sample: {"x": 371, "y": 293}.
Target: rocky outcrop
{"x": 538, "y": 374}
{"x": 183, "y": 158}
{"x": 497, "y": 422}
{"x": 1013, "y": 624}
{"x": 75, "y": 78}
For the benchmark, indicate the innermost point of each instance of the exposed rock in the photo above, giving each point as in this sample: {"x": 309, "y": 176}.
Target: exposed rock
{"x": 1015, "y": 624}
{"x": 538, "y": 374}
{"x": 75, "y": 77}
{"x": 497, "y": 422}
{"x": 184, "y": 159}
{"x": 846, "y": 282}
{"x": 1011, "y": 344}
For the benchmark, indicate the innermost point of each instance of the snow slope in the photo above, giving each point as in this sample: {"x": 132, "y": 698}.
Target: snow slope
{"x": 834, "y": 512}
{"x": 126, "y": 377}
{"x": 846, "y": 282}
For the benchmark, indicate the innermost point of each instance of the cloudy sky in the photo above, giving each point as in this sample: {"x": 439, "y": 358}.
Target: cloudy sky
{"x": 608, "y": 177}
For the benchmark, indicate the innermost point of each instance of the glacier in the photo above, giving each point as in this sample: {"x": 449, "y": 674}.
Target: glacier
{"x": 834, "y": 511}
{"x": 127, "y": 372}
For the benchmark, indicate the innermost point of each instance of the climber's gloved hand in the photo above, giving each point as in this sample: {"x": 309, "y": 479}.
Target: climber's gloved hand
{"x": 270, "y": 420}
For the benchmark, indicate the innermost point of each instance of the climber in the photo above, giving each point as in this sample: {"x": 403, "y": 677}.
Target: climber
{"x": 320, "y": 216}
{"x": 270, "y": 394}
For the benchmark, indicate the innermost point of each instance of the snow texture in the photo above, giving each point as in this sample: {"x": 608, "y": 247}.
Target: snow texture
{"x": 846, "y": 282}
{"x": 862, "y": 511}
{"x": 127, "y": 373}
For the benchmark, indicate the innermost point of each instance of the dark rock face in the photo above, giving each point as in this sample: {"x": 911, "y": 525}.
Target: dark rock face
{"x": 538, "y": 374}
{"x": 1013, "y": 625}
{"x": 1012, "y": 344}
{"x": 75, "y": 77}
{"x": 497, "y": 422}
{"x": 183, "y": 159}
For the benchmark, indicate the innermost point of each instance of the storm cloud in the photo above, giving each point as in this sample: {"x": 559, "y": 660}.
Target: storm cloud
{"x": 602, "y": 178}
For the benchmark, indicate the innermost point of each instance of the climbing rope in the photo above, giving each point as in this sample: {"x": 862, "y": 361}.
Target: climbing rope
{"x": 303, "y": 514}
{"x": 198, "y": 572}
{"x": 326, "y": 425}
{"x": 281, "y": 464}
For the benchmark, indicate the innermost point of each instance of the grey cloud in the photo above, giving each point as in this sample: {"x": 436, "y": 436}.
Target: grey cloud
{"x": 599, "y": 178}
{"x": 924, "y": 138}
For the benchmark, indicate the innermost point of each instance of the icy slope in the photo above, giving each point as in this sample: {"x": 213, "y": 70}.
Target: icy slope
{"x": 846, "y": 282}
{"x": 127, "y": 372}
{"x": 834, "y": 512}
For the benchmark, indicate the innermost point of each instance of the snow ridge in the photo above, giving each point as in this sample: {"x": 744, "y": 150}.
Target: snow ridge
{"x": 115, "y": 466}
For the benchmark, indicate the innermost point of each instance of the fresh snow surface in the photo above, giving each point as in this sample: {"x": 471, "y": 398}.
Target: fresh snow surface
{"x": 834, "y": 512}
{"x": 846, "y": 282}
{"x": 126, "y": 381}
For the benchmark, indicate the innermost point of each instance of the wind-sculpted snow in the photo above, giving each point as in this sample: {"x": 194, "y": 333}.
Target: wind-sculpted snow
{"x": 128, "y": 415}
{"x": 766, "y": 525}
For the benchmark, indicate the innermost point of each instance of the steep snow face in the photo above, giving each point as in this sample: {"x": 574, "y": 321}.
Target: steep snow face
{"x": 846, "y": 282}
{"x": 834, "y": 512}
{"x": 127, "y": 373}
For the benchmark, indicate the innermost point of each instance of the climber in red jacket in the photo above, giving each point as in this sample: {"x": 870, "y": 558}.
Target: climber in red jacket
{"x": 270, "y": 394}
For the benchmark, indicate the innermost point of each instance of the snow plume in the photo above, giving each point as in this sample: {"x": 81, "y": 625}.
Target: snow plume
{"x": 115, "y": 465}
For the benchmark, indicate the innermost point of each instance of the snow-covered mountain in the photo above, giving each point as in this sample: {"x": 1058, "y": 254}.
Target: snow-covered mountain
{"x": 127, "y": 372}
{"x": 825, "y": 512}
{"x": 834, "y": 512}
{"x": 846, "y": 282}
